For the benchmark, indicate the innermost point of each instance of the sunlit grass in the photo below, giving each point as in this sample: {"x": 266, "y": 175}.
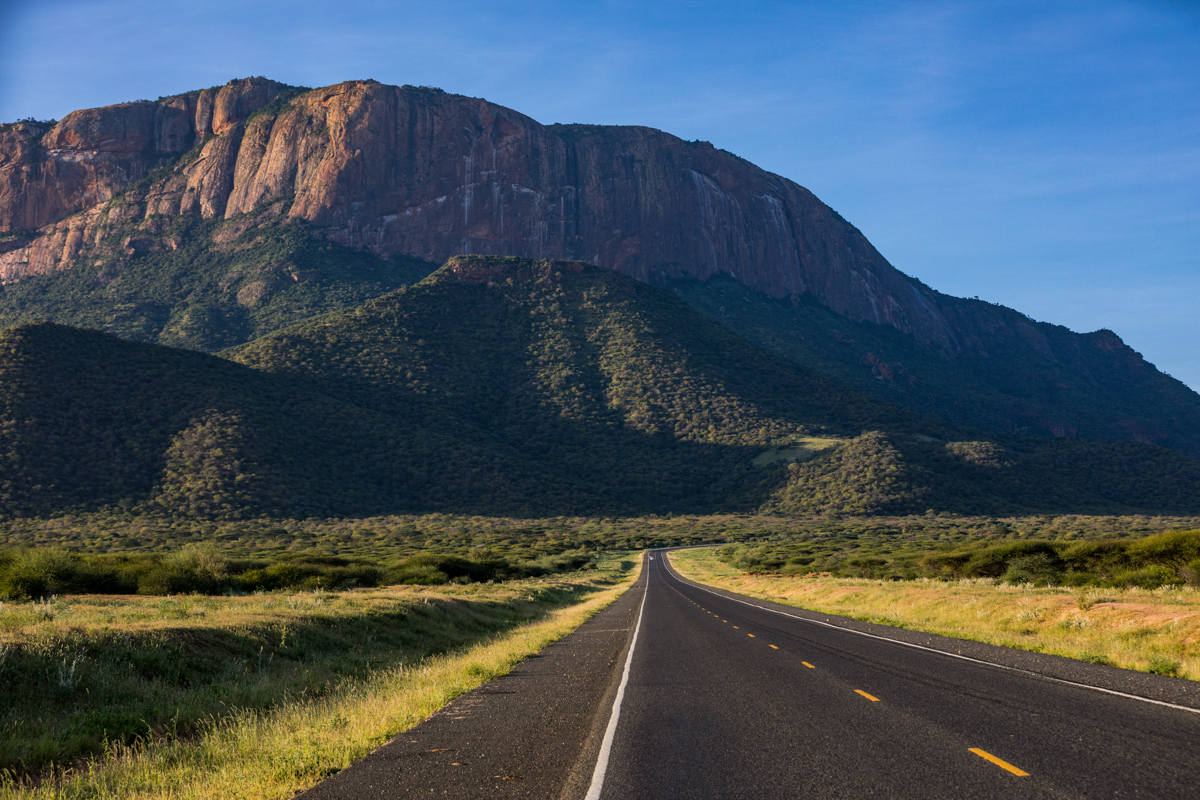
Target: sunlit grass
{"x": 298, "y": 735}
{"x": 1150, "y": 630}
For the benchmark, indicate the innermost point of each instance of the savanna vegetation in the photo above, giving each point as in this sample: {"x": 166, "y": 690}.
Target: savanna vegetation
{"x": 381, "y": 538}
{"x": 29, "y": 573}
{"x": 1067, "y": 385}
{"x": 1169, "y": 558}
{"x": 104, "y": 696}
{"x": 204, "y": 284}
{"x": 155, "y": 554}
{"x": 516, "y": 388}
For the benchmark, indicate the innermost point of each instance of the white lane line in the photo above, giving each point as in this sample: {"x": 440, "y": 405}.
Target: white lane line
{"x": 611, "y": 731}
{"x": 676, "y": 575}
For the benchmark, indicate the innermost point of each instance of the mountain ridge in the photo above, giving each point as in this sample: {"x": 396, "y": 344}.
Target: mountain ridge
{"x": 415, "y": 171}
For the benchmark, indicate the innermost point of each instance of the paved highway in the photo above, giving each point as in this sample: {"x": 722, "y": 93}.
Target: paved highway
{"x": 721, "y": 696}
{"x": 722, "y": 699}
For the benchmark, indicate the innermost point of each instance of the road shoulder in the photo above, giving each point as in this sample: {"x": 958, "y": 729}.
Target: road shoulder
{"x": 532, "y": 733}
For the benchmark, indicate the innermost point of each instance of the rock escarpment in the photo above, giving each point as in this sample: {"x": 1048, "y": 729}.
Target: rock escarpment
{"x": 425, "y": 173}
{"x": 58, "y": 182}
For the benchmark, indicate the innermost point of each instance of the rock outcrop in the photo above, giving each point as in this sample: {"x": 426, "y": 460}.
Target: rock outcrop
{"x": 48, "y": 172}
{"x": 425, "y": 173}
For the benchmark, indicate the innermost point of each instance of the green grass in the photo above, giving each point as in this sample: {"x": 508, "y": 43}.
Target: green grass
{"x": 130, "y": 677}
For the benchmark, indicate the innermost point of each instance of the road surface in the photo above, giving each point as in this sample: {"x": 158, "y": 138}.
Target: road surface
{"x": 681, "y": 691}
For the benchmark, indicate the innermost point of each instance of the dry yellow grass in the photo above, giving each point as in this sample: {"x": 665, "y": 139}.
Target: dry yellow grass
{"x": 1138, "y": 629}
{"x": 133, "y": 614}
{"x": 279, "y": 753}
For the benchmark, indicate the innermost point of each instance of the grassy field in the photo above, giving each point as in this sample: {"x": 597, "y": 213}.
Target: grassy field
{"x": 1150, "y": 630}
{"x": 258, "y": 696}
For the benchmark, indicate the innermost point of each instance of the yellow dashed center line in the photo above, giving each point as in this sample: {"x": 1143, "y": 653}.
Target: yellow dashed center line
{"x": 872, "y": 698}
{"x": 773, "y": 647}
{"x": 999, "y": 762}
{"x": 810, "y": 666}
{"x": 735, "y": 627}
{"x": 751, "y": 635}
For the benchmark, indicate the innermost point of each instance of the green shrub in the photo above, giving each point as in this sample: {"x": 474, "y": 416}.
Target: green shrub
{"x": 1038, "y": 569}
{"x": 1164, "y": 666}
{"x": 1104, "y": 556}
{"x": 1190, "y": 573}
{"x": 1170, "y": 548}
{"x": 38, "y": 573}
{"x": 164, "y": 581}
{"x": 1151, "y": 577}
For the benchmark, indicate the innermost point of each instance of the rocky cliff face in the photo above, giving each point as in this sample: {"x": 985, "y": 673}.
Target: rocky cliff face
{"x": 58, "y": 182}
{"x": 421, "y": 172}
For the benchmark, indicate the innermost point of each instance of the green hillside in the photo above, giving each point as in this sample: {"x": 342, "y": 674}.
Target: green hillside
{"x": 624, "y": 387}
{"x": 520, "y": 388}
{"x": 91, "y": 421}
{"x": 1027, "y": 377}
{"x": 205, "y": 285}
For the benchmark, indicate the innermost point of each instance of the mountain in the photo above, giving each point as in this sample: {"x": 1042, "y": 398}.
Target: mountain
{"x": 1023, "y": 376}
{"x": 383, "y": 173}
{"x": 514, "y": 387}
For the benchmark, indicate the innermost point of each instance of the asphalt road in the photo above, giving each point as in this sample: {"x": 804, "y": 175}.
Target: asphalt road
{"x": 720, "y": 696}
{"x": 727, "y": 700}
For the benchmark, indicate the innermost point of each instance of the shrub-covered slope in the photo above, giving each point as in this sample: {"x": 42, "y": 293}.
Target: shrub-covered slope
{"x": 624, "y": 387}
{"x": 88, "y": 420}
{"x": 1023, "y": 377}
{"x": 205, "y": 285}
{"x": 160, "y": 221}
{"x": 510, "y": 386}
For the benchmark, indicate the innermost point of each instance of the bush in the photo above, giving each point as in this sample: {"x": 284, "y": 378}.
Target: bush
{"x": 1164, "y": 666}
{"x": 195, "y": 568}
{"x": 433, "y": 568}
{"x": 421, "y": 575}
{"x": 1038, "y": 569}
{"x": 205, "y": 569}
{"x": 1151, "y": 577}
{"x": 1174, "y": 548}
{"x": 39, "y": 573}
{"x": 867, "y": 567}
{"x": 1190, "y": 573}
{"x": 1104, "y": 557}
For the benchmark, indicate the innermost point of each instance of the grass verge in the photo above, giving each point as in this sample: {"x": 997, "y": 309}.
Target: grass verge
{"x": 1149, "y": 630}
{"x": 299, "y": 736}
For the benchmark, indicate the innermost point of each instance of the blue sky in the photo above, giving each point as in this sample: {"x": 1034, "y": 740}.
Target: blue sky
{"x": 1044, "y": 155}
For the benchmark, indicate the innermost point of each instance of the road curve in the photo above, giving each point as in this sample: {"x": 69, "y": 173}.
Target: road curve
{"x": 728, "y": 700}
